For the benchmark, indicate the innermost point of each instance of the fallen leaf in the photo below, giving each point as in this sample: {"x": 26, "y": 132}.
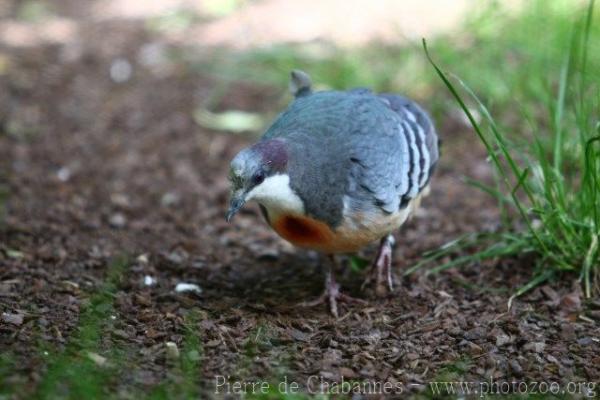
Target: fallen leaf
{"x": 97, "y": 358}
{"x": 232, "y": 120}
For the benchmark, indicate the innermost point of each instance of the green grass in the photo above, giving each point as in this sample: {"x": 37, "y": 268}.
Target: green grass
{"x": 8, "y": 365}
{"x": 548, "y": 189}
{"x": 72, "y": 373}
{"x": 183, "y": 380}
{"x": 75, "y": 373}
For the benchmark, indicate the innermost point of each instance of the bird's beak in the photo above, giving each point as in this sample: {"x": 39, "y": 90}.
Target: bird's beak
{"x": 238, "y": 199}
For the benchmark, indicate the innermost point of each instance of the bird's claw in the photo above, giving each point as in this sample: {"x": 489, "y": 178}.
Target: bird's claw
{"x": 381, "y": 269}
{"x": 331, "y": 296}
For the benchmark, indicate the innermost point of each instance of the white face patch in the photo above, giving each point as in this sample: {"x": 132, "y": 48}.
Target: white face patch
{"x": 277, "y": 196}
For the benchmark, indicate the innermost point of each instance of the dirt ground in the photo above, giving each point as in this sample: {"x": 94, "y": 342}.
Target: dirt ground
{"x": 99, "y": 167}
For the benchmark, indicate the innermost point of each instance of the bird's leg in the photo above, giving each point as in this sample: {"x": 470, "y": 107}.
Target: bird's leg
{"x": 332, "y": 293}
{"x": 381, "y": 270}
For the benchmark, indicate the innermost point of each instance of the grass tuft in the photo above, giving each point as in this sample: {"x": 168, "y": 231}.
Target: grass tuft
{"x": 548, "y": 191}
{"x": 73, "y": 373}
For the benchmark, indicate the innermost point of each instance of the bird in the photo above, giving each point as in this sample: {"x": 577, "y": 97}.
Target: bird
{"x": 337, "y": 171}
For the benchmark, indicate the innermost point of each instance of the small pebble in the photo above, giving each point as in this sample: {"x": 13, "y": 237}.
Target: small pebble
{"x": 177, "y": 257}
{"x": 172, "y": 350}
{"x": 149, "y": 280}
{"x": 120, "y": 70}
{"x": 117, "y": 220}
{"x": 63, "y": 174}
{"x": 169, "y": 199}
{"x": 187, "y": 287}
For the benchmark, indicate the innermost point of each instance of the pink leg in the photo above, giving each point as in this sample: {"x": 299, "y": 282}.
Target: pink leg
{"x": 332, "y": 293}
{"x": 381, "y": 270}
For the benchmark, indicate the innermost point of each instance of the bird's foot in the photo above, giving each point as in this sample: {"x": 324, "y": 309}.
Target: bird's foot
{"x": 381, "y": 270}
{"x": 331, "y": 296}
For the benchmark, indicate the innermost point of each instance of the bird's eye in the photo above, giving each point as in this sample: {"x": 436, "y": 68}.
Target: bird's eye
{"x": 258, "y": 178}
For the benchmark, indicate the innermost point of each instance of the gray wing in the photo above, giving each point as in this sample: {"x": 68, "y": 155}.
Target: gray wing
{"x": 356, "y": 149}
{"x": 418, "y": 121}
{"x": 347, "y": 149}
{"x": 394, "y": 168}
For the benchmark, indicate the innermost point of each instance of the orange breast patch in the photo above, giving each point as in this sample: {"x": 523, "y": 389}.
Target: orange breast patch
{"x": 302, "y": 231}
{"x": 306, "y": 232}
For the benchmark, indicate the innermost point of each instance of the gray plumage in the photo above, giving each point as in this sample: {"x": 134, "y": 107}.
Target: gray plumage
{"x": 356, "y": 149}
{"x": 337, "y": 171}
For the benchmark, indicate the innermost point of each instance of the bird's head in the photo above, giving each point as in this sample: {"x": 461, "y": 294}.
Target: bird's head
{"x": 256, "y": 172}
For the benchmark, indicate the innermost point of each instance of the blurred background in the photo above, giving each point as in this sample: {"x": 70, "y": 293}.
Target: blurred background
{"x": 222, "y": 45}
{"x": 341, "y": 43}
{"x": 118, "y": 119}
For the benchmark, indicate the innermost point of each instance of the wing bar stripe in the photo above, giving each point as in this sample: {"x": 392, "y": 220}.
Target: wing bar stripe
{"x": 423, "y": 152}
{"x": 404, "y": 181}
{"x": 414, "y": 169}
{"x": 426, "y": 158}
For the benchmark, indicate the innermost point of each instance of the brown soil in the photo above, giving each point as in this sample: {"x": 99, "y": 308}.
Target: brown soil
{"x": 97, "y": 169}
